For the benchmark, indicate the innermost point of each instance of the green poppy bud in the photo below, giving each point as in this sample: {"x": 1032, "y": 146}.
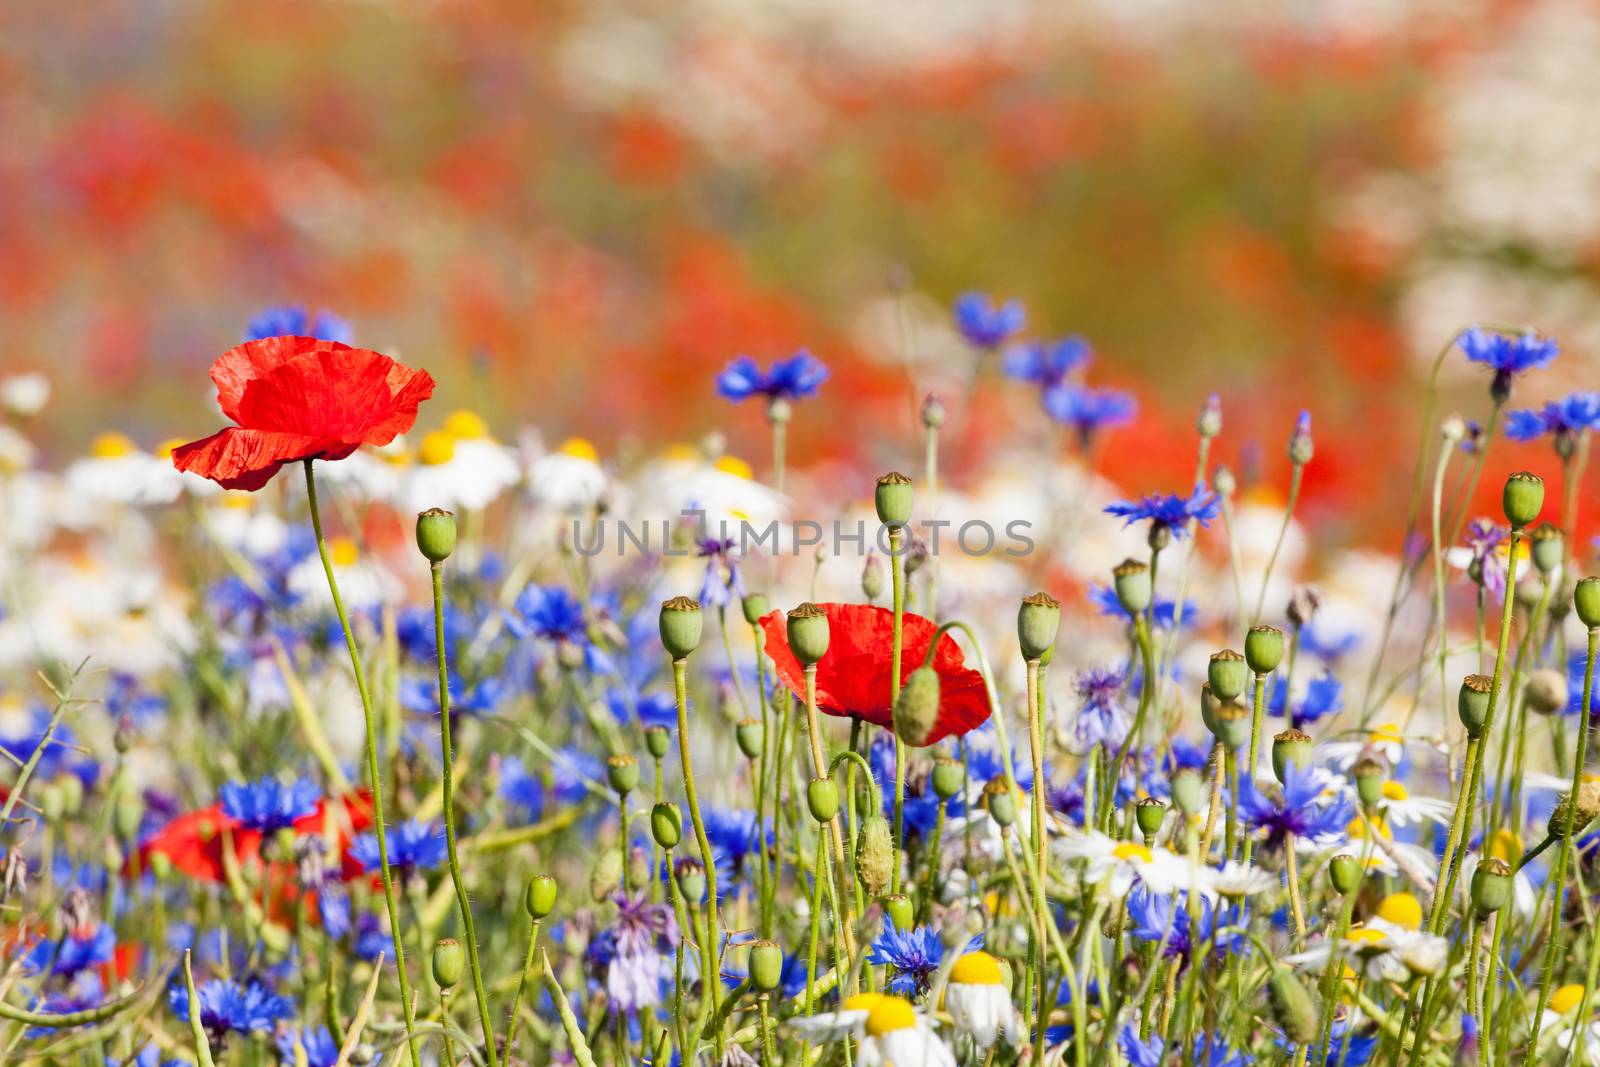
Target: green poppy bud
{"x": 766, "y": 965}
{"x": 1301, "y": 445}
{"x": 808, "y": 633}
{"x": 1209, "y": 424}
{"x": 691, "y": 875}
{"x": 160, "y": 866}
{"x": 875, "y": 855}
{"x": 1546, "y": 691}
{"x": 1224, "y": 482}
{"x": 1149, "y": 813}
{"x": 932, "y": 412}
{"x": 129, "y": 813}
{"x": 754, "y": 605}
{"x": 948, "y": 777}
{"x": 1290, "y": 746}
{"x": 1131, "y": 580}
{"x": 1038, "y": 620}
{"x": 893, "y": 499}
{"x": 1228, "y": 674}
{"x": 658, "y": 739}
{"x": 1472, "y": 704}
{"x": 1491, "y": 886}
{"x": 1233, "y": 725}
{"x": 639, "y": 867}
{"x": 822, "y": 797}
{"x": 1263, "y": 648}
{"x": 52, "y": 803}
{"x": 449, "y": 962}
{"x": 680, "y": 626}
{"x": 872, "y": 578}
{"x": 605, "y": 877}
{"x": 1208, "y": 707}
{"x": 916, "y": 709}
{"x": 1369, "y": 775}
{"x": 1002, "y": 806}
{"x": 71, "y": 787}
{"x": 1344, "y": 874}
{"x": 1293, "y": 1006}
{"x": 622, "y": 771}
{"x": 666, "y": 825}
{"x": 749, "y": 733}
{"x": 1522, "y": 499}
{"x": 1586, "y": 600}
{"x": 897, "y": 906}
{"x": 1189, "y": 790}
{"x": 436, "y": 534}
{"x": 1547, "y": 547}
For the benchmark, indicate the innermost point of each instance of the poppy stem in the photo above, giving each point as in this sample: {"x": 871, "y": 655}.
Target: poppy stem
{"x": 710, "y": 974}
{"x": 1277, "y": 546}
{"x": 372, "y": 770}
{"x": 897, "y": 571}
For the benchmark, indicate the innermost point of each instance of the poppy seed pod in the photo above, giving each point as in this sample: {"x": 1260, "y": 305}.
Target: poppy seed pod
{"x": 766, "y": 965}
{"x": 1131, "y": 580}
{"x": 436, "y": 534}
{"x": 1523, "y": 498}
{"x": 1208, "y": 707}
{"x": 897, "y": 906}
{"x": 691, "y": 875}
{"x": 539, "y": 896}
{"x": 916, "y": 709}
{"x": 754, "y": 605}
{"x": 1546, "y": 691}
{"x": 1547, "y": 547}
{"x": 1149, "y": 814}
{"x": 1472, "y": 704}
{"x": 749, "y": 733}
{"x": 893, "y": 500}
{"x": 1228, "y": 674}
{"x": 1290, "y": 746}
{"x": 1369, "y": 777}
{"x": 680, "y": 626}
{"x": 1188, "y": 790}
{"x": 1586, "y": 801}
{"x": 875, "y": 855}
{"x": 1233, "y": 725}
{"x": 1038, "y": 621}
{"x": 932, "y": 411}
{"x": 1293, "y": 1006}
{"x": 1586, "y": 601}
{"x": 948, "y": 777}
{"x": 1344, "y": 874}
{"x": 666, "y": 825}
{"x": 1263, "y": 648}
{"x": 808, "y": 633}
{"x": 822, "y": 798}
{"x": 658, "y": 740}
{"x": 1491, "y": 886}
{"x": 449, "y": 962}
{"x": 872, "y": 577}
{"x": 622, "y": 772}
{"x": 999, "y": 802}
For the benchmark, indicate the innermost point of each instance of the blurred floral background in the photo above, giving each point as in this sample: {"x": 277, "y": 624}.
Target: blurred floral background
{"x": 574, "y": 214}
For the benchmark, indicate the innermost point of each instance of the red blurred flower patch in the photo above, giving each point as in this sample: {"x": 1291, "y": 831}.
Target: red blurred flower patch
{"x": 300, "y": 398}
{"x": 853, "y": 678}
{"x": 194, "y": 841}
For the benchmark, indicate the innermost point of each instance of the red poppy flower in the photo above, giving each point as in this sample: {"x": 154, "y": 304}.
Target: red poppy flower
{"x": 300, "y": 398}
{"x": 853, "y": 678}
{"x": 193, "y": 842}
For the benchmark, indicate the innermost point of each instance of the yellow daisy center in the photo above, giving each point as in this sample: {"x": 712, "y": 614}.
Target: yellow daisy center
{"x": 436, "y": 448}
{"x": 1362, "y": 937}
{"x": 735, "y": 466}
{"x": 344, "y": 551}
{"x": 465, "y": 425}
{"x": 977, "y": 968}
{"x": 1386, "y": 731}
{"x": 239, "y": 501}
{"x": 1402, "y": 909}
{"x": 1506, "y": 845}
{"x": 112, "y": 446}
{"x": 1393, "y": 790}
{"x": 1358, "y": 828}
{"x": 166, "y": 448}
{"x": 579, "y": 447}
{"x": 1566, "y": 998}
{"x": 860, "y": 1002}
{"x": 680, "y": 453}
{"x": 890, "y": 1014}
{"x": 1127, "y": 850}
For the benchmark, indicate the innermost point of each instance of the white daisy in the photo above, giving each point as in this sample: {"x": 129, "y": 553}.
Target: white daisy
{"x": 24, "y": 395}
{"x": 568, "y": 479}
{"x": 1120, "y": 862}
{"x": 979, "y": 1003}
{"x": 459, "y": 467}
{"x": 116, "y": 471}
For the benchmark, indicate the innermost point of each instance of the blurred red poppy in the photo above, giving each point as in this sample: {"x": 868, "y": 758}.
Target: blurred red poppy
{"x": 193, "y": 842}
{"x": 853, "y": 678}
{"x": 300, "y": 398}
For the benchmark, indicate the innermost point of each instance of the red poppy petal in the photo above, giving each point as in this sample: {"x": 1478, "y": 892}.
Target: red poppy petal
{"x": 351, "y": 394}
{"x": 237, "y": 458}
{"x": 240, "y": 365}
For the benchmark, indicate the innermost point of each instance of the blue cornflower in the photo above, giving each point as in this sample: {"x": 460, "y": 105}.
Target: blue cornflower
{"x": 421, "y": 695}
{"x": 733, "y": 835}
{"x": 1046, "y": 364}
{"x": 76, "y": 951}
{"x": 794, "y": 378}
{"x": 269, "y": 805}
{"x": 1318, "y": 639}
{"x": 638, "y": 951}
{"x": 1140, "y": 1052}
{"x": 413, "y": 846}
{"x": 1151, "y": 913}
{"x": 1302, "y": 808}
{"x": 519, "y": 789}
{"x": 1089, "y": 410}
{"x": 986, "y": 325}
{"x": 1101, "y": 720}
{"x": 574, "y": 772}
{"x": 1575, "y": 665}
{"x": 1324, "y": 695}
{"x": 287, "y": 320}
{"x": 1564, "y": 418}
{"x": 1506, "y": 354}
{"x": 414, "y": 627}
{"x": 651, "y": 709}
{"x": 914, "y": 955}
{"x": 1358, "y": 1052}
{"x": 550, "y": 613}
{"x": 722, "y": 584}
{"x": 228, "y": 1006}
{"x": 85, "y": 992}
{"x": 320, "y": 1048}
{"x": 150, "y": 1056}
{"x": 1168, "y": 511}
{"x": 1164, "y": 610}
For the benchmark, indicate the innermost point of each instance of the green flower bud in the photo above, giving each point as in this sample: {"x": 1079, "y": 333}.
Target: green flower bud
{"x": 808, "y": 633}
{"x": 822, "y": 798}
{"x": 875, "y": 855}
{"x": 948, "y": 777}
{"x": 1131, "y": 580}
{"x": 1547, "y": 547}
{"x": 680, "y": 626}
{"x": 605, "y": 877}
{"x": 640, "y": 871}
{"x": 1209, "y": 424}
{"x": 1149, "y": 813}
{"x": 691, "y": 875}
{"x": 436, "y": 534}
{"x": 1002, "y": 806}
{"x": 1290, "y": 746}
{"x": 779, "y": 410}
{"x": 1208, "y": 707}
{"x": 1546, "y": 691}
{"x": 666, "y": 825}
{"x": 52, "y": 803}
{"x": 1586, "y": 600}
{"x": 1189, "y": 790}
{"x": 71, "y": 787}
{"x": 916, "y": 709}
{"x": 160, "y": 866}
{"x": 748, "y": 733}
{"x": 1301, "y": 445}
{"x": 893, "y": 499}
{"x": 1491, "y": 886}
{"x": 1369, "y": 775}
{"x": 1522, "y": 499}
{"x": 1233, "y": 725}
{"x": 449, "y": 962}
{"x": 754, "y": 605}
{"x": 1293, "y": 1006}
{"x": 1263, "y": 648}
{"x": 1344, "y": 874}
{"x": 872, "y": 578}
{"x": 622, "y": 771}
{"x": 658, "y": 739}
{"x": 932, "y": 412}
{"x": 766, "y": 965}
{"x": 1038, "y": 620}
{"x": 897, "y": 906}
{"x": 1472, "y": 704}
{"x": 129, "y": 813}
{"x": 1228, "y": 674}
{"x": 1224, "y": 482}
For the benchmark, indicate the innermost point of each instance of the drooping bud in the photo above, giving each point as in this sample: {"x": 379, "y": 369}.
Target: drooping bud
{"x": 872, "y": 578}
{"x": 875, "y": 855}
{"x": 1290, "y": 746}
{"x": 893, "y": 500}
{"x": 539, "y": 897}
{"x": 1472, "y": 704}
{"x": 749, "y": 733}
{"x": 1188, "y": 790}
{"x": 1369, "y": 775}
{"x": 1148, "y": 815}
{"x": 449, "y": 962}
{"x": 822, "y": 798}
{"x": 1228, "y": 674}
{"x": 436, "y": 534}
{"x": 808, "y": 633}
{"x": 754, "y": 605}
{"x": 1233, "y": 725}
{"x": 1038, "y": 621}
{"x": 948, "y": 777}
{"x": 1209, "y": 424}
{"x": 1293, "y": 1006}
{"x": 897, "y": 906}
{"x": 1547, "y": 547}
{"x": 1131, "y": 580}
{"x": 1263, "y": 648}
{"x": 622, "y": 772}
{"x": 658, "y": 739}
{"x": 1303, "y": 605}
{"x": 1586, "y": 600}
{"x": 999, "y": 802}
{"x": 1546, "y": 691}
{"x": 766, "y": 965}
{"x": 1344, "y": 874}
{"x": 1522, "y": 499}
{"x": 666, "y": 825}
{"x": 680, "y": 626}
{"x": 916, "y": 709}
{"x": 1300, "y": 444}
{"x": 1581, "y": 807}
{"x": 1491, "y": 886}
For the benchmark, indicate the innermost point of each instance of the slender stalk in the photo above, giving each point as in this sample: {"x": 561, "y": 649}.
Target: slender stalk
{"x": 373, "y": 775}
{"x": 522, "y": 989}
{"x": 897, "y": 571}
{"x": 1256, "y": 709}
{"x": 1108, "y": 790}
{"x": 710, "y": 983}
{"x": 1464, "y": 798}
{"x": 1295, "y": 473}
